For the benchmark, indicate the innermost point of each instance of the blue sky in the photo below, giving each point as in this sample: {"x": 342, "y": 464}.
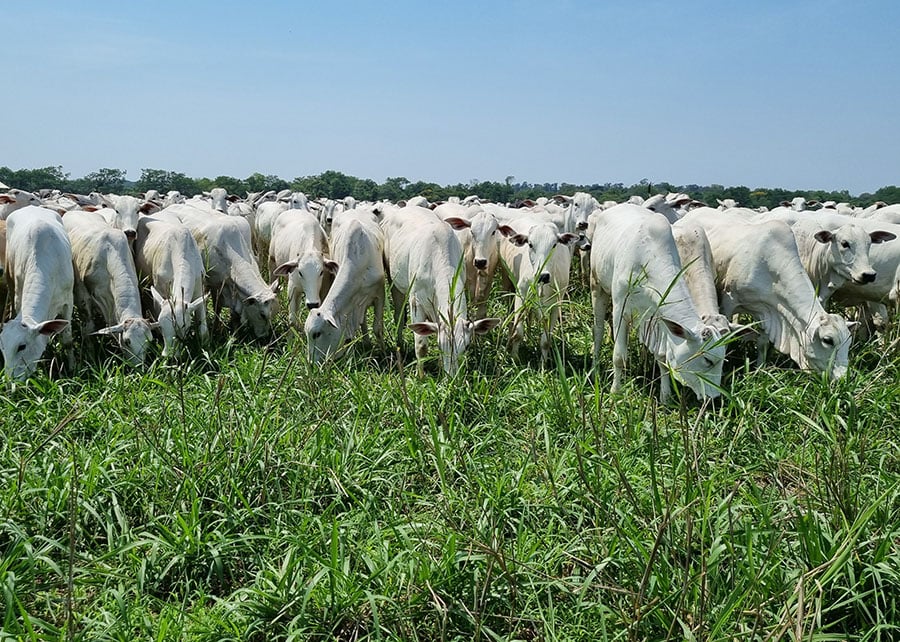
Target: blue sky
{"x": 798, "y": 94}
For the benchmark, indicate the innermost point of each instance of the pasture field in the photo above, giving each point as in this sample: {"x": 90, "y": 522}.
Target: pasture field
{"x": 244, "y": 495}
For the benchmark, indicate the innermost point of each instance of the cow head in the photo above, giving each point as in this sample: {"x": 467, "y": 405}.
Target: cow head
{"x": 134, "y": 336}
{"x": 23, "y": 341}
{"x": 257, "y": 309}
{"x": 323, "y": 335}
{"x": 541, "y": 241}
{"x": 826, "y": 346}
{"x": 454, "y": 338}
{"x": 307, "y": 272}
{"x": 849, "y": 247}
{"x": 694, "y": 357}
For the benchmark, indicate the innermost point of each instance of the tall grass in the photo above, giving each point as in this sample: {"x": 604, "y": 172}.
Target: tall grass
{"x": 246, "y": 495}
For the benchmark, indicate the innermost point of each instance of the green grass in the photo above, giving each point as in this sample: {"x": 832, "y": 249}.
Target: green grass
{"x": 248, "y": 496}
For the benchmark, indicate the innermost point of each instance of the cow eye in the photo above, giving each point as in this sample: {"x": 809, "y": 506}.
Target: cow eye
{"x": 20, "y": 348}
{"x": 845, "y": 244}
{"x": 828, "y": 341}
{"x": 316, "y": 335}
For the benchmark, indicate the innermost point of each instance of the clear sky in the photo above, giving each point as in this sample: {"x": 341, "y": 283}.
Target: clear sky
{"x": 799, "y": 94}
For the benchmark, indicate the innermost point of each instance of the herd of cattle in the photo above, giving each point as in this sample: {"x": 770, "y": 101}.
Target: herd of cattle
{"x": 680, "y": 270}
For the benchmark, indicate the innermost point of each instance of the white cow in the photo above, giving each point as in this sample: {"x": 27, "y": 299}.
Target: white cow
{"x": 636, "y": 271}
{"x": 106, "y": 282}
{"x": 699, "y": 273}
{"x": 232, "y": 274}
{"x": 14, "y": 200}
{"x": 425, "y": 263}
{"x": 39, "y": 265}
{"x": 477, "y": 231}
{"x": 125, "y": 212}
{"x": 758, "y": 272}
{"x": 266, "y": 215}
{"x": 832, "y": 258}
{"x": 299, "y": 251}
{"x": 167, "y": 256}
{"x": 536, "y": 259}
{"x": 357, "y": 245}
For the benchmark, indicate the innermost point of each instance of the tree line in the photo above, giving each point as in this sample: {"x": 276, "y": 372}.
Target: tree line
{"x": 335, "y": 184}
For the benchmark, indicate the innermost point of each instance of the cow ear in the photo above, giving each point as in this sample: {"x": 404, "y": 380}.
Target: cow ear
{"x": 568, "y": 238}
{"x": 51, "y": 327}
{"x": 457, "y": 223}
{"x": 823, "y": 236}
{"x": 506, "y": 230}
{"x": 113, "y": 329}
{"x": 331, "y": 266}
{"x": 423, "y": 328}
{"x": 483, "y": 326}
{"x": 881, "y": 236}
{"x": 852, "y": 324}
{"x": 518, "y": 239}
{"x": 157, "y": 297}
{"x": 198, "y": 303}
{"x": 275, "y": 286}
{"x": 6, "y": 198}
{"x": 785, "y": 203}
{"x": 677, "y": 329}
{"x": 285, "y": 268}
{"x": 148, "y": 207}
{"x": 330, "y": 320}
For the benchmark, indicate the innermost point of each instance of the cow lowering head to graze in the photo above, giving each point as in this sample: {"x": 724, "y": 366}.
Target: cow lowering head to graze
{"x": 167, "y": 257}
{"x": 425, "y": 262}
{"x": 232, "y": 274}
{"x": 759, "y": 272}
{"x": 39, "y": 261}
{"x": 106, "y": 283}
{"x": 637, "y": 273}
{"x": 356, "y": 245}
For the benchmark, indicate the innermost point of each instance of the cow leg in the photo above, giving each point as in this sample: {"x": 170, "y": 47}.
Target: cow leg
{"x": 420, "y": 341}
{"x": 600, "y": 301}
{"x": 665, "y": 384}
{"x": 517, "y": 328}
{"x": 762, "y": 349}
{"x": 378, "y": 319}
{"x": 620, "y": 345}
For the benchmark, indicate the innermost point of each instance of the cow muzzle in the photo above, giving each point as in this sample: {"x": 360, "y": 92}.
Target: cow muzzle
{"x": 312, "y": 305}
{"x": 480, "y": 264}
{"x": 867, "y": 277}
{"x": 544, "y": 278}
{"x": 582, "y": 225}
{"x": 130, "y": 234}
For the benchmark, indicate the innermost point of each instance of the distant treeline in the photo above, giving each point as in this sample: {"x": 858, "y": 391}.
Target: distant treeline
{"x": 334, "y": 184}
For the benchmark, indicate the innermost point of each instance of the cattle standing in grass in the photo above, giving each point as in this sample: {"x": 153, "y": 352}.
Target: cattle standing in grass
{"x": 636, "y": 271}
{"x": 39, "y": 262}
{"x": 425, "y": 262}
{"x": 106, "y": 282}
{"x": 356, "y": 245}
{"x": 168, "y": 257}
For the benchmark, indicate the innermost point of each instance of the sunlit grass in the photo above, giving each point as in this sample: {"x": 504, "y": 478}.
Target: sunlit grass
{"x": 249, "y": 496}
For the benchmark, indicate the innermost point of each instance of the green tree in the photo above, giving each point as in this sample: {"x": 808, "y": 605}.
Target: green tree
{"x": 164, "y": 181}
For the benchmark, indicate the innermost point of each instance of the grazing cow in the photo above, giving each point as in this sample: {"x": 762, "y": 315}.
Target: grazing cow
{"x": 425, "y": 263}
{"x": 357, "y": 245}
{"x": 299, "y": 251}
{"x": 106, "y": 282}
{"x": 636, "y": 270}
{"x": 536, "y": 259}
{"x": 167, "y": 256}
{"x": 232, "y": 274}
{"x": 758, "y": 272}
{"x": 699, "y": 273}
{"x": 39, "y": 265}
